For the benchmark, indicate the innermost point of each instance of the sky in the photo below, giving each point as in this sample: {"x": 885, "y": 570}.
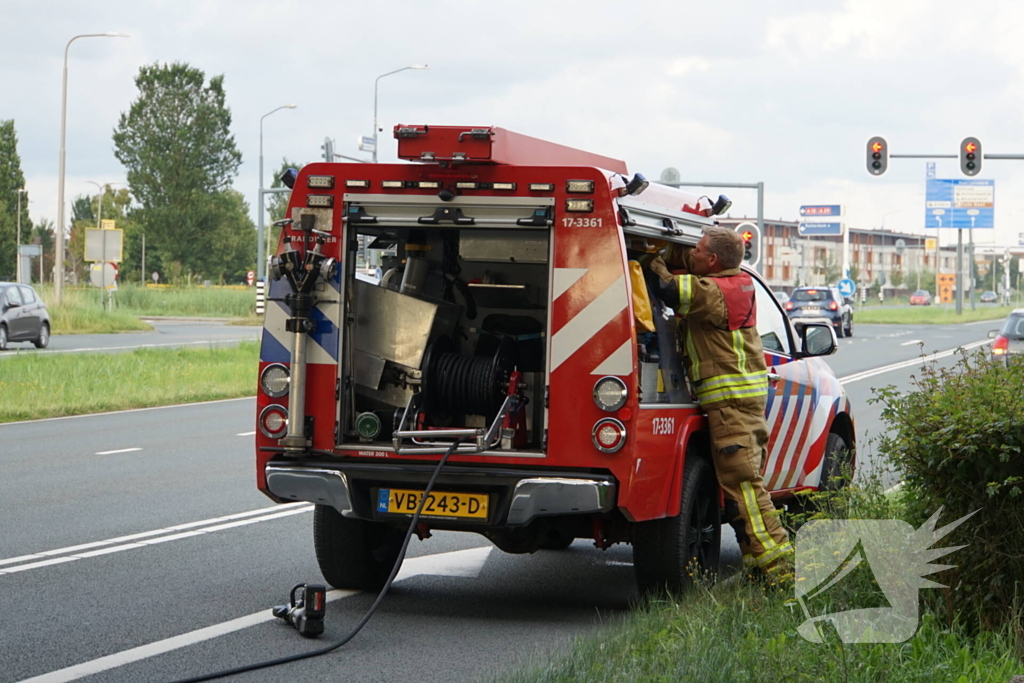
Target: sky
{"x": 734, "y": 91}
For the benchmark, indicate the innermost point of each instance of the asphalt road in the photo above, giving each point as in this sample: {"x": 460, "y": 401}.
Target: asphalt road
{"x": 135, "y": 547}
{"x": 166, "y": 333}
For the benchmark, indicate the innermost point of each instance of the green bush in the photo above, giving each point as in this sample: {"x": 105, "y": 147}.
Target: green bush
{"x": 958, "y": 440}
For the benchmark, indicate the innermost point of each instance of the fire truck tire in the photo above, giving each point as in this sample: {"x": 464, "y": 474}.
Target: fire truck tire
{"x": 666, "y": 552}
{"x": 837, "y": 455}
{"x": 354, "y": 553}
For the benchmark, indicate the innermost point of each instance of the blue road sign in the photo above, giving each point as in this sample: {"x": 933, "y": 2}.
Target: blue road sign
{"x": 929, "y": 169}
{"x": 960, "y": 203}
{"x": 820, "y": 228}
{"x": 821, "y": 210}
{"x": 847, "y": 286}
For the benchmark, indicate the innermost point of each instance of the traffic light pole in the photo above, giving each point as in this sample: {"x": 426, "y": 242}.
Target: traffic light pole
{"x": 759, "y": 186}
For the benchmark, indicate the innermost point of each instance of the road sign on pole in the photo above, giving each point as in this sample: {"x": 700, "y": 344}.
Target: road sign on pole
{"x": 820, "y": 228}
{"x": 821, "y": 210}
{"x": 959, "y": 203}
{"x": 250, "y": 277}
{"x": 846, "y": 287}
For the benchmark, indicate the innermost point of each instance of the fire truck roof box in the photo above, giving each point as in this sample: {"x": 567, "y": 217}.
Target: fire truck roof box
{"x": 487, "y": 144}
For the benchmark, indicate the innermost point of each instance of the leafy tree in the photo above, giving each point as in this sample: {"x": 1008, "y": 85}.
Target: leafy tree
{"x": 896, "y": 278}
{"x": 176, "y": 145}
{"x": 82, "y": 217}
{"x": 43, "y": 234}
{"x": 231, "y": 251}
{"x": 829, "y": 267}
{"x": 11, "y": 180}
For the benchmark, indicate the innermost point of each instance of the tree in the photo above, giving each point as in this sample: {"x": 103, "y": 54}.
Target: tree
{"x": 176, "y": 145}
{"x": 828, "y": 267}
{"x": 896, "y": 278}
{"x": 44, "y": 235}
{"x": 11, "y": 180}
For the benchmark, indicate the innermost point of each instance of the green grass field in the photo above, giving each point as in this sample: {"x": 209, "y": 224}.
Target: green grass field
{"x": 35, "y": 385}
{"x": 930, "y": 315}
{"x": 83, "y": 312}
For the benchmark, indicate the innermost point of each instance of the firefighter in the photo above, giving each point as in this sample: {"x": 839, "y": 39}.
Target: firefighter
{"x": 725, "y": 361}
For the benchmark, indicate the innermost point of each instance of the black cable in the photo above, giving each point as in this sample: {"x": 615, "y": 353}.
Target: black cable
{"x": 369, "y": 612}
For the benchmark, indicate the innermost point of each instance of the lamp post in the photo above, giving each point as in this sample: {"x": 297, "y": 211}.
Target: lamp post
{"x": 260, "y": 255}
{"x": 17, "y": 247}
{"x": 404, "y": 68}
{"x": 58, "y": 276}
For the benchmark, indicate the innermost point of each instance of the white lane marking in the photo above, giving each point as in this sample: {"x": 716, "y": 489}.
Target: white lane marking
{"x": 273, "y": 509}
{"x": 912, "y": 341}
{"x": 464, "y": 563}
{"x": 907, "y": 363}
{"x": 120, "y": 450}
{"x": 144, "y": 544}
{"x": 210, "y": 342}
{"x": 130, "y": 410}
{"x": 253, "y": 433}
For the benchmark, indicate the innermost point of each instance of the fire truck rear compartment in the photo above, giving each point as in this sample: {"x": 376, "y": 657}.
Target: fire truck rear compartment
{"x": 455, "y": 326}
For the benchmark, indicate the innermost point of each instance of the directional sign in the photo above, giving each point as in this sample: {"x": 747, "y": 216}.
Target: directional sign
{"x": 846, "y": 287}
{"x": 960, "y": 203}
{"x": 820, "y": 228}
{"x": 821, "y": 210}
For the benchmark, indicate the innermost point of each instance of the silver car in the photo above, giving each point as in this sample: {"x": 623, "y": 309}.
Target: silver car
{"x": 1009, "y": 340}
{"x": 23, "y": 316}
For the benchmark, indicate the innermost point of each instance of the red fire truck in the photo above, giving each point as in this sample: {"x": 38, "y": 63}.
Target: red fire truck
{"x": 504, "y": 317}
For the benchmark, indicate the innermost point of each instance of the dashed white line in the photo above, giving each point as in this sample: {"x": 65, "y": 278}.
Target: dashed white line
{"x": 912, "y": 341}
{"x": 120, "y": 450}
{"x": 253, "y": 433}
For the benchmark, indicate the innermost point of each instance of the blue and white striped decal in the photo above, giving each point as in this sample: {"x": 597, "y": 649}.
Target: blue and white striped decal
{"x": 323, "y": 344}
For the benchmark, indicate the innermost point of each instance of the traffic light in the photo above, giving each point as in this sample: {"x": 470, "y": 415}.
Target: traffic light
{"x": 970, "y": 157}
{"x": 751, "y": 237}
{"x": 328, "y": 148}
{"x": 878, "y": 155}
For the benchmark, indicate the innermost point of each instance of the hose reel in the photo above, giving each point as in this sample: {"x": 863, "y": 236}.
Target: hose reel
{"x": 466, "y": 385}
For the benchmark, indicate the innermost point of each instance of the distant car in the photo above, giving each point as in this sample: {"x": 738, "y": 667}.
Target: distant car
{"x": 23, "y": 316}
{"x": 921, "y": 297}
{"x": 781, "y": 296}
{"x": 821, "y": 305}
{"x": 1009, "y": 339}
{"x": 989, "y": 297}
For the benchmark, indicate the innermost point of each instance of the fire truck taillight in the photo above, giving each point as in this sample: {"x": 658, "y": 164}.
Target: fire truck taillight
{"x": 610, "y": 393}
{"x": 579, "y": 205}
{"x": 320, "y": 182}
{"x": 357, "y": 183}
{"x": 274, "y": 380}
{"x": 320, "y": 201}
{"x": 579, "y": 186}
{"x": 609, "y": 435}
{"x": 542, "y": 187}
{"x": 273, "y": 421}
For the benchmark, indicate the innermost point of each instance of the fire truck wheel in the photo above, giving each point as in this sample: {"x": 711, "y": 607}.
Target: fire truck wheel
{"x": 669, "y": 553}
{"x": 833, "y": 477}
{"x": 354, "y": 553}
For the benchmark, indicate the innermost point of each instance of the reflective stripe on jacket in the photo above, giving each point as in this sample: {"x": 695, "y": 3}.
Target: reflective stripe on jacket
{"x": 721, "y": 346}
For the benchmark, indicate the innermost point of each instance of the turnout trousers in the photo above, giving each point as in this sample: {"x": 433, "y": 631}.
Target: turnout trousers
{"x": 739, "y": 444}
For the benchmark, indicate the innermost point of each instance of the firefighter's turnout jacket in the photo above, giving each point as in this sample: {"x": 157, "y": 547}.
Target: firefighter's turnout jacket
{"x": 725, "y": 362}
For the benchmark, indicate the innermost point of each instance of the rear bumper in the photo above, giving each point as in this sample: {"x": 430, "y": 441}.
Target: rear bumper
{"x": 518, "y": 496}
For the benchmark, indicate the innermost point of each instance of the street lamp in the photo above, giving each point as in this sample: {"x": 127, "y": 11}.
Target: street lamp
{"x": 17, "y": 247}
{"x": 260, "y": 256}
{"x": 58, "y": 277}
{"x": 404, "y": 68}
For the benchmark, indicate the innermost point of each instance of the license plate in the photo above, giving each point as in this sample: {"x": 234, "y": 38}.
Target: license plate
{"x": 439, "y": 503}
{"x": 812, "y": 310}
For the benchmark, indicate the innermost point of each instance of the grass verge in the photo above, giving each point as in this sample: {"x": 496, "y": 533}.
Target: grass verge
{"x": 925, "y": 315}
{"x": 741, "y": 632}
{"x": 34, "y": 386}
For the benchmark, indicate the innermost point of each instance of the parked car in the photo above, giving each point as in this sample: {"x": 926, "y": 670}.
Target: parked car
{"x": 781, "y": 296}
{"x": 821, "y": 305}
{"x": 1009, "y": 339}
{"x": 921, "y": 297}
{"x": 989, "y": 297}
{"x": 23, "y": 316}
